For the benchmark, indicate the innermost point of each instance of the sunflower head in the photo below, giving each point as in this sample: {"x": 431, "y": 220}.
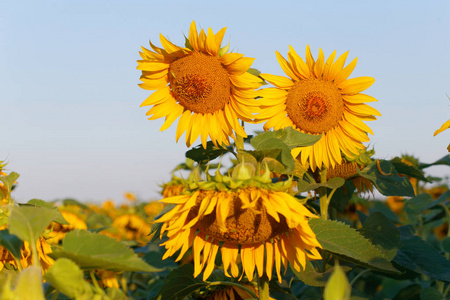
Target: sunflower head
{"x": 319, "y": 99}
{"x": 251, "y": 218}
{"x": 208, "y": 88}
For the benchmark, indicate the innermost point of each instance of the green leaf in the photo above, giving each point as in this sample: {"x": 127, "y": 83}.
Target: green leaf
{"x": 417, "y": 255}
{"x": 405, "y": 169}
{"x": 29, "y": 284}
{"x": 416, "y": 206}
{"x": 378, "y": 206}
{"x": 11, "y": 243}
{"x": 337, "y": 287}
{"x": 445, "y": 243}
{"x": 431, "y": 293}
{"x": 180, "y": 283}
{"x": 67, "y": 277}
{"x": 443, "y": 161}
{"x": 342, "y": 196}
{"x": 69, "y": 201}
{"x": 29, "y": 222}
{"x": 385, "y": 178}
{"x": 341, "y": 239}
{"x": 201, "y": 155}
{"x": 332, "y": 184}
{"x": 313, "y": 278}
{"x": 95, "y": 251}
{"x": 411, "y": 292}
{"x": 288, "y": 136}
{"x": 383, "y": 234}
{"x": 58, "y": 218}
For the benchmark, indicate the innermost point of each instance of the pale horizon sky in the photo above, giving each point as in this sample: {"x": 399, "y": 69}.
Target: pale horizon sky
{"x": 69, "y": 96}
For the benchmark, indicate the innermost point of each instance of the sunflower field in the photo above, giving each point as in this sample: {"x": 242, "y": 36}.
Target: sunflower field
{"x": 302, "y": 209}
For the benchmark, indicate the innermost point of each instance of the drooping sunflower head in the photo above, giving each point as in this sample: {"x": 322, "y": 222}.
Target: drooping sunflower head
{"x": 209, "y": 88}
{"x": 319, "y": 99}
{"x": 253, "y": 219}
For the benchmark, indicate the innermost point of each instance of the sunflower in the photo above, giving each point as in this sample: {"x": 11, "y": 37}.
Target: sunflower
{"x": 132, "y": 227}
{"x": 252, "y": 219}
{"x": 319, "y": 99}
{"x": 43, "y": 250}
{"x": 59, "y": 230}
{"x": 209, "y": 88}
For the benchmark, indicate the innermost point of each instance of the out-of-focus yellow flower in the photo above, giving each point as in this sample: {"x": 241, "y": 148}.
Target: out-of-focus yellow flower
{"x": 130, "y": 196}
{"x": 436, "y": 191}
{"x": 173, "y": 189}
{"x": 396, "y": 203}
{"x": 132, "y": 227}
{"x": 441, "y": 231}
{"x": 108, "y": 278}
{"x": 153, "y": 208}
{"x": 60, "y": 230}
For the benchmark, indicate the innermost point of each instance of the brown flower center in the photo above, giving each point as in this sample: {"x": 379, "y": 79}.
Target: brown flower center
{"x": 244, "y": 226}
{"x": 314, "y": 106}
{"x": 200, "y": 83}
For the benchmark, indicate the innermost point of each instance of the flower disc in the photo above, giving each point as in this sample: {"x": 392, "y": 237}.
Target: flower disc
{"x": 200, "y": 83}
{"x": 314, "y": 106}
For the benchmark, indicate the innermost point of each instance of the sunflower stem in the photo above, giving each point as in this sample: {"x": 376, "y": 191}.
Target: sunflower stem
{"x": 323, "y": 197}
{"x": 264, "y": 287}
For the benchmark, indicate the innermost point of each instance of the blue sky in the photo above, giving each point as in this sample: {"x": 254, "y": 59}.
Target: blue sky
{"x": 69, "y": 100}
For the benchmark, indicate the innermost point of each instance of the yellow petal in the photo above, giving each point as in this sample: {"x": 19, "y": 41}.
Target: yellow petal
{"x": 170, "y": 48}
{"x": 362, "y": 109}
{"x": 278, "y": 81}
{"x": 171, "y": 117}
{"x": 248, "y": 261}
{"x": 319, "y": 65}
{"x": 240, "y": 66}
{"x": 309, "y": 59}
{"x": 219, "y": 36}
{"x": 229, "y": 58}
{"x": 337, "y": 66}
{"x": 343, "y": 75}
{"x": 358, "y": 98}
{"x": 147, "y": 65}
{"x": 183, "y": 124}
{"x": 154, "y": 84}
{"x": 286, "y": 66}
{"x": 299, "y": 64}
{"x": 444, "y": 126}
{"x": 201, "y": 39}
{"x": 328, "y": 64}
{"x": 356, "y": 85}
{"x": 355, "y": 121}
{"x": 193, "y": 37}
{"x": 193, "y": 130}
{"x": 211, "y": 45}
{"x": 157, "y": 97}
